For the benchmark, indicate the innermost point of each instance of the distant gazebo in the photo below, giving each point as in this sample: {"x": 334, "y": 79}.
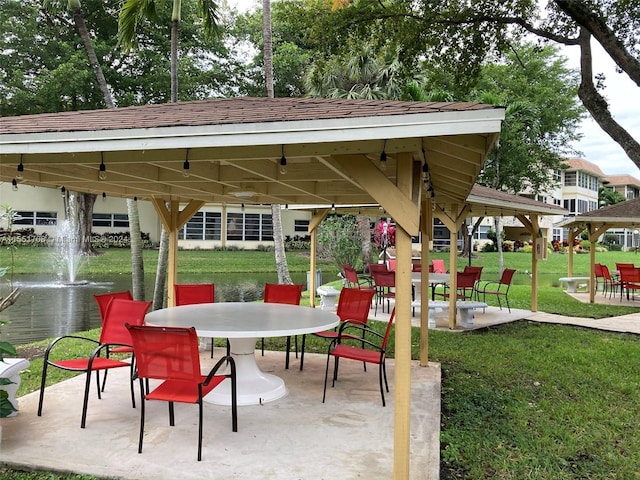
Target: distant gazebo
{"x": 597, "y": 222}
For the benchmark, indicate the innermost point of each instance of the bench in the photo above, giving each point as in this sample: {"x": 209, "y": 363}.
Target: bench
{"x": 10, "y": 368}
{"x": 465, "y": 310}
{"x": 433, "y": 306}
{"x": 572, "y": 282}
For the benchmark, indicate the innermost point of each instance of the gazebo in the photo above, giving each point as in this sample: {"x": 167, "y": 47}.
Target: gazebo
{"x": 596, "y": 223}
{"x": 414, "y": 159}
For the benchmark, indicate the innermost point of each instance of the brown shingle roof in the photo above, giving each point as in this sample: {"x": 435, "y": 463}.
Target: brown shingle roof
{"x": 582, "y": 164}
{"x": 221, "y": 112}
{"x": 621, "y": 180}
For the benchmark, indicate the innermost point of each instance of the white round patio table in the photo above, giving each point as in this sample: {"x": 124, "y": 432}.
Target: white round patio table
{"x": 243, "y": 323}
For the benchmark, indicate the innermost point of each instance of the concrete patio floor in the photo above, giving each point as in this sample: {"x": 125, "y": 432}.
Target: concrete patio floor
{"x": 297, "y": 437}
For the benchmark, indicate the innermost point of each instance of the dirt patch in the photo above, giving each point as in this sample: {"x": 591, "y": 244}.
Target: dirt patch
{"x": 30, "y": 352}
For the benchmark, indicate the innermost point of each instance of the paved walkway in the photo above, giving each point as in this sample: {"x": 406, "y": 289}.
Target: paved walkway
{"x": 298, "y": 437}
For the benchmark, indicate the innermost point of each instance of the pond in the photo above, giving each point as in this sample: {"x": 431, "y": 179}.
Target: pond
{"x": 48, "y": 308}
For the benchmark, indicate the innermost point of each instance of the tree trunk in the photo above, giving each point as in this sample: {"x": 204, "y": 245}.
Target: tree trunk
{"x": 278, "y": 238}
{"x": 85, "y": 214}
{"x": 137, "y": 269}
{"x": 81, "y": 26}
{"x": 174, "y": 59}
{"x": 598, "y": 106}
{"x": 278, "y": 244}
{"x": 497, "y": 222}
{"x": 268, "y": 48}
{"x": 159, "y": 292}
{"x": 364, "y": 228}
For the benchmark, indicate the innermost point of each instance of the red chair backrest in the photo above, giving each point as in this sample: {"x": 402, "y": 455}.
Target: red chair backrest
{"x": 121, "y": 311}
{"x": 605, "y": 272}
{"x": 507, "y": 276}
{"x": 192, "y": 293}
{"x": 166, "y": 353}
{"x": 438, "y": 266}
{"x": 384, "y": 279}
{"x": 598, "y": 270}
{"x": 103, "y": 299}
{"x": 392, "y": 265}
{"x": 282, "y": 293}
{"x": 385, "y": 339}
{"x": 417, "y": 267}
{"x": 624, "y": 265}
{"x": 629, "y": 274}
{"x": 354, "y": 304}
{"x": 466, "y": 279}
{"x": 350, "y": 274}
{"x": 475, "y": 270}
{"x": 377, "y": 267}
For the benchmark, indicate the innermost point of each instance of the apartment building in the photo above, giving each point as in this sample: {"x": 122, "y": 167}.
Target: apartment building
{"x": 629, "y": 187}
{"x": 215, "y": 225}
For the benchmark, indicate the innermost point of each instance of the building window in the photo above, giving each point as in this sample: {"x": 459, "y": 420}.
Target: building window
{"x": 202, "y": 226}
{"x": 36, "y": 218}
{"x": 570, "y": 179}
{"x": 110, "y": 220}
{"x": 249, "y": 226}
{"x": 557, "y": 235}
{"x": 301, "y": 226}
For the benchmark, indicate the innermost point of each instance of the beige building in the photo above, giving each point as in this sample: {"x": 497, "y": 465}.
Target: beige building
{"x": 215, "y": 225}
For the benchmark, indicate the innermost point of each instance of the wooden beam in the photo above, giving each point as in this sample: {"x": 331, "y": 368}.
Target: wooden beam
{"x": 392, "y": 197}
{"x": 402, "y": 419}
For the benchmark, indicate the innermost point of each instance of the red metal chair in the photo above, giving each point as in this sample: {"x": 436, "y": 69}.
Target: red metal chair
{"x": 194, "y": 293}
{"x": 283, "y": 293}
{"x": 629, "y": 280}
{"x": 353, "y": 279}
{"x": 465, "y": 284}
{"x": 103, "y": 299}
{"x": 370, "y": 351}
{"x": 353, "y": 306}
{"x": 385, "y": 283}
{"x": 438, "y": 266}
{"x": 499, "y": 289}
{"x": 478, "y": 272}
{"x": 613, "y": 282}
{"x": 171, "y": 355}
{"x": 112, "y": 334}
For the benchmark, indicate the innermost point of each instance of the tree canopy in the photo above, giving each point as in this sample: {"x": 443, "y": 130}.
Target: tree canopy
{"x": 459, "y": 36}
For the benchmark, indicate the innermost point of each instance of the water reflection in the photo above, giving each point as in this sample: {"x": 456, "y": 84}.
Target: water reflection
{"x": 48, "y": 308}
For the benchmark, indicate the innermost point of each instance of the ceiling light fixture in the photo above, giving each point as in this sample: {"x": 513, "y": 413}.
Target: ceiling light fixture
{"x": 14, "y": 185}
{"x": 185, "y": 166}
{"x": 63, "y": 191}
{"x": 104, "y": 196}
{"x": 283, "y": 163}
{"x": 20, "y": 171}
{"x": 383, "y": 157}
{"x": 102, "y": 174}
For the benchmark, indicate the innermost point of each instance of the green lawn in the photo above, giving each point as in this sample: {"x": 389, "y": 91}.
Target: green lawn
{"x": 519, "y": 401}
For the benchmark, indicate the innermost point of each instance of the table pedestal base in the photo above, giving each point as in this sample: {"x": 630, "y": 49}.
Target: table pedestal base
{"x": 254, "y": 386}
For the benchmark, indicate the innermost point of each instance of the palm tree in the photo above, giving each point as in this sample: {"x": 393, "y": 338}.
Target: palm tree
{"x": 278, "y": 238}
{"x": 75, "y": 7}
{"x": 133, "y": 12}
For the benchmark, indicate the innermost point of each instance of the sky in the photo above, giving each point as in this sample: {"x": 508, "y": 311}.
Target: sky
{"x": 624, "y": 102}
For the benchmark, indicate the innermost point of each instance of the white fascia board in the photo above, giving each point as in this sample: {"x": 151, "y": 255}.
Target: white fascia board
{"x": 264, "y": 133}
{"x": 490, "y": 202}
{"x": 617, "y": 221}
